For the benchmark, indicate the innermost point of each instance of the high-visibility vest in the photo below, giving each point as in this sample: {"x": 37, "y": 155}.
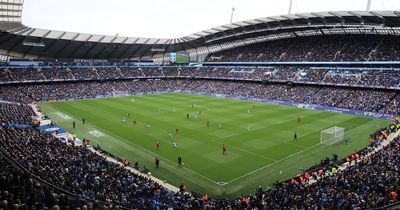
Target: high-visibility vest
{"x": 334, "y": 170}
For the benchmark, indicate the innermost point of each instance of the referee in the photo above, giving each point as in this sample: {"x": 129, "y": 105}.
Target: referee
{"x": 180, "y": 163}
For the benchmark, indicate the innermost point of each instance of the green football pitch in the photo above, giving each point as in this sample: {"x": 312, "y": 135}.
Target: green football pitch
{"x": 259, "y": 137}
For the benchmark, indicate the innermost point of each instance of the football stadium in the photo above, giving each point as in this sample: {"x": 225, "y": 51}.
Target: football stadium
{"x": 291, "y": 111}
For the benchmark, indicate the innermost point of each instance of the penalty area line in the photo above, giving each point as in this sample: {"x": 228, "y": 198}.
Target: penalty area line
{"x": 273, "y": 163}
{"x": 167, "y": 162}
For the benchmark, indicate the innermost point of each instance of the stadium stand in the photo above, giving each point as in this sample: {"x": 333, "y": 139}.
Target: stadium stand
{"x": 347, "y": 76}
{"x": 20, "y": 144}
{"x": 343, "y": 97}
{"x": 19, "y": 189}
{"x": 369, "y": 180}
{"x": 15, "y": 113}
{"x": 325, "y": 59}
{"x": 320, "y": 48}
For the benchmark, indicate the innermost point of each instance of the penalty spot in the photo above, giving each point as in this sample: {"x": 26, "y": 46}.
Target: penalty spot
{"x": 221, "y": 183}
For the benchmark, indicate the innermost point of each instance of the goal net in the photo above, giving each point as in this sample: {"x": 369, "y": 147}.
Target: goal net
{"x": 332, "y": 135}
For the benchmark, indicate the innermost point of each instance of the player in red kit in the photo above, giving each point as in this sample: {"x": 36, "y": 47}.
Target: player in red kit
{"x": 176, "y": 131}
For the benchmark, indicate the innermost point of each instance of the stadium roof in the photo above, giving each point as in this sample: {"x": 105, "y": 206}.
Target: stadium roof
{"x": 23, "y": 41}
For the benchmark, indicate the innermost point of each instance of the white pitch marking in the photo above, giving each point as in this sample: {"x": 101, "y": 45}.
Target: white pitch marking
{"x": 221, "y": 183}
{"x": 96, "y": 133}
{"x": 273, "y": 163}
{"x": 64, "y": 116}
{"x": 249, "y": 127}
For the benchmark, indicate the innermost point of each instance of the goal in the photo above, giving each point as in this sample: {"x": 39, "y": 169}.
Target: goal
{"x": 332, "y": 135}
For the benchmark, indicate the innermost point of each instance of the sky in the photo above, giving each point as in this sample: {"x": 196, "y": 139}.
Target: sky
{"x": 169, "y": 18}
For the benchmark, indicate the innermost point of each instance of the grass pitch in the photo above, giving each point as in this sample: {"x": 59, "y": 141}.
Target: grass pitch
{"x": 259, "y": 137}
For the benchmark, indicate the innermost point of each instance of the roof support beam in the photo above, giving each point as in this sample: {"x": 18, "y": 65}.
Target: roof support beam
{"x": 8, "y": 38}
{"x": 31, "y": 47}
{"x": 78, "y": 47}
{"x": 53, "y": 42}
{"x": 19, "y": 41}
{"x": 155, "y": 43}
{"x": 106, "y": 46}
{"x": 120, "y": 56}
{"x": 140, "y": 46}
{"x": 96, "y": 56}
{"x": 66, "y": 44}
{"x": 93, "y": 45}
{"x": 116, "y": 49}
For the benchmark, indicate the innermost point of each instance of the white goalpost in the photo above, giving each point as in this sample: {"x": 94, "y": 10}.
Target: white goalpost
{"x": 332, "y": 135}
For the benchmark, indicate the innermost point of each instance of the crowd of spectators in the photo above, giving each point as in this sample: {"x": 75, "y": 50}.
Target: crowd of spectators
{"x": 373, "y": 100}
{"x": 19, "y": 190}
{"x": 315, "y": 48}
{"x": 370, "y": 180}
{"x": 387, "y": 50}
{"x": 372, "y": 77}
{"x": 80, "y": 171}
{"x": 75, "y": 176}
{"x": 15, "y": 113}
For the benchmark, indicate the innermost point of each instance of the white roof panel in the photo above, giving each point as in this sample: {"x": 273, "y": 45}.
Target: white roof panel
{"x": 55, "y": 34}
{"x": 163, "y": 41}
{"x": 131, "y": 40}
{"x": 141, "y": 40}
{"x": 27, "y": 32}
{"x": 119, "y": 39}
{"x": 95, "y": 38}
{"x": 220, "y": 28}
{"x": 107, "y": 39}
{"x": 69, "y": 35}
{"x": 39, "y": 33}
{"x": 253, "y": 21}
{"x": 83, "y": 37}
